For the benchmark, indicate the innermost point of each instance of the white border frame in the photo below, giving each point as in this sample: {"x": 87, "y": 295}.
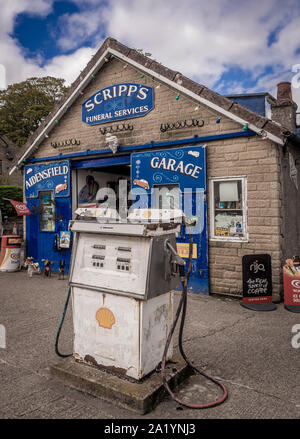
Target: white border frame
{"x": 212, "y": 237}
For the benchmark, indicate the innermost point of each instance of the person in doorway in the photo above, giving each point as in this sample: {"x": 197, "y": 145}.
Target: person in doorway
{"x": 89, "y": 191}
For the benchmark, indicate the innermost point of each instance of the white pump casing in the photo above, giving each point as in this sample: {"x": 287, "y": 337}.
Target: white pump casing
{"x": 121, "y": 292}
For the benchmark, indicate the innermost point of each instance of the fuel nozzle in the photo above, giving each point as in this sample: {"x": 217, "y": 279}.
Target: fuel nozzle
{"x": 176, "y": 263}
{"x": 179, "y": 266}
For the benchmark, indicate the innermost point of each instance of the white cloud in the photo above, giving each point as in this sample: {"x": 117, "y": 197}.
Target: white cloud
{"x": 201, "y": 39}
{"x": 86, "y": 26}
{"x": 63, "y": 65}
{"x": 204, "y": 39}
{"x": 10, "y": 9}
{"x": 16, "y": 65}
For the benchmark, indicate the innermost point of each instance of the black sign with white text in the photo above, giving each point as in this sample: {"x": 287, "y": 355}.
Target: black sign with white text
{"x": 257, "y": 279}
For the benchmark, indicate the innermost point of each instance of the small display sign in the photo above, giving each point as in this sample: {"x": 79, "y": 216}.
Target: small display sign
{"x": 64, "y": 239}
{"x": 222, "y": 231}
{"x": 118, "y": 102}
{"x": 183, "y": 250}
{"x": 13, "y": 241}
{"x": 257, "y": 279}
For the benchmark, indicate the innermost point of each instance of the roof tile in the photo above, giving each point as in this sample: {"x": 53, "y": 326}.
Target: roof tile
{"x": 141, "y": 59}
{"x": 163, "y": 71}
{"x": 217, "y": 99}
{"x": 188, "y": 83}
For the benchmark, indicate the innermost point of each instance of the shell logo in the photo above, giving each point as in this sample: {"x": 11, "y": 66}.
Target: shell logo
{"x": 21, "y": 207}
{"x": 296, "y": 283}
{"x": 105, "y": 318}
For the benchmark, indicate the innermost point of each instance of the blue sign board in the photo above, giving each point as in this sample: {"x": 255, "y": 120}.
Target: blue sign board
{"x": 52, "y": 176}
{"x": 118, "y": 102}
{"x": 164, "y": 167}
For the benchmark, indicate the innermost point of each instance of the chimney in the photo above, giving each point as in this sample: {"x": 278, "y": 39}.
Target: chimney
{"x": 284, "y": 108}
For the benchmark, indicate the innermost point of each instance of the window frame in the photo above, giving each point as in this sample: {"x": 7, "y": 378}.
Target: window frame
{"x": 213, "y": 237}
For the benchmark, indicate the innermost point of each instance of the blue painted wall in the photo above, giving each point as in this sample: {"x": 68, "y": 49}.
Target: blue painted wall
{"x": 41, "y": 244}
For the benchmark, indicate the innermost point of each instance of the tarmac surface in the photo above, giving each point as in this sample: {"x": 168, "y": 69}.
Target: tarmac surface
{"x": 250, "y": 351}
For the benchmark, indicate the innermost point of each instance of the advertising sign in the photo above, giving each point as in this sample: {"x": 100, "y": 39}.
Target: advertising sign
{"x": 20, "y": 208}
{"x": 118, "y": 102}
{"x": 45, "y": 177}
{"x": 10, "y": 253}
{"x": 257, "y": 282}
{"x": 64, "y": 239}
{"x": 291, "y": 283}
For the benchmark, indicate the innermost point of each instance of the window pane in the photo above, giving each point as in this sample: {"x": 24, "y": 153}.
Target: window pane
{"x": 47, "y": 222}
{"x": 228, "y": 207}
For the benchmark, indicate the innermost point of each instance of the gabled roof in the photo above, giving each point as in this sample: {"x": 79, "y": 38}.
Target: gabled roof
{"x": 199, "y": 93}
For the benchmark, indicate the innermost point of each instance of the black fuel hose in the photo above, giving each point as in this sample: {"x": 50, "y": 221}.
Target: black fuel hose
{"x": 182, "y": 307}
{"x": 60, "y": 327}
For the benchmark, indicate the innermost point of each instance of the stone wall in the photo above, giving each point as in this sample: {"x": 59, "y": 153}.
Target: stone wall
{"x": 258, "y": 161}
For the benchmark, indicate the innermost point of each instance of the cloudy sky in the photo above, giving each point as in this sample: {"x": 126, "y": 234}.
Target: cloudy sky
{"x": 231, "y": 46}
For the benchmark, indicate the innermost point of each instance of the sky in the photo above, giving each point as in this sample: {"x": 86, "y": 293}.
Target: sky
{"x": 230, "y": 46}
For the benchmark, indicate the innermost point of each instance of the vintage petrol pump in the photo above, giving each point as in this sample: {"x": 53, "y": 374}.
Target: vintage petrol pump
{"x": 122, "y": 279}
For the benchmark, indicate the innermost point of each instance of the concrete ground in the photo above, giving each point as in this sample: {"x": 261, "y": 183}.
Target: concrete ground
{"x": 251, "y": 352}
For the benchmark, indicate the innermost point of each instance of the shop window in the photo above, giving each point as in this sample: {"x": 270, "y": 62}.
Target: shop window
{"x": 228, "y": 220}
{"x": 47, "y": 215}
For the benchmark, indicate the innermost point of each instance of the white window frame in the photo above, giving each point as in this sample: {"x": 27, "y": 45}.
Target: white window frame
{"x": 213, "y": 237}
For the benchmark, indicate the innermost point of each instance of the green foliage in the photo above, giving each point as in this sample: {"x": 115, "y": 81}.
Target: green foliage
{"x": 24, "y": 105}
{"x": 13, "y": 193}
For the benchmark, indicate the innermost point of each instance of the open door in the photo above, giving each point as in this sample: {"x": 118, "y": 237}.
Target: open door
{"x": 176, "y": 178}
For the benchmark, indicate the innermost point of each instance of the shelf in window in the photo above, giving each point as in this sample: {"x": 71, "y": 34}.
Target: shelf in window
{"x": 224, "y": 210}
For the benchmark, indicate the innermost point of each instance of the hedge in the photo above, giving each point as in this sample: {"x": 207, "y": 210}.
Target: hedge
{"x": 13, "y": 193}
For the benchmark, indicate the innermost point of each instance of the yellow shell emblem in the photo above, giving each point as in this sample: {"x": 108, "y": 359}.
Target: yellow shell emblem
{"x": 105, "y": 318}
